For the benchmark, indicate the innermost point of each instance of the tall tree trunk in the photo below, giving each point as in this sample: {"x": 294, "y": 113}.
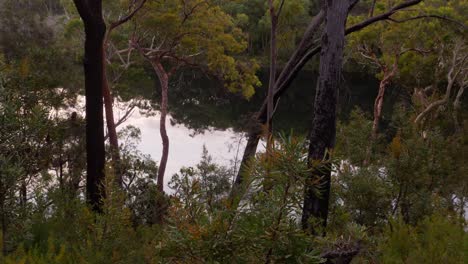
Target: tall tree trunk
{"x": 299, "y": 59}
{"x": 95, "y": 28}
{"x": 271, "y": 83}
{"x": 110, "y": 122}
{"x": 271, "y": 88}
{"x": 108, "y": 99}
{"x": 164, "y": 81}
{"x": 284, "y": 79}
{"x": 323, "y": 131}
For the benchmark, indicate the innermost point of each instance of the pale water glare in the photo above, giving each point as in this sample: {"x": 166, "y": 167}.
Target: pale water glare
{"x": 185, "y": 149}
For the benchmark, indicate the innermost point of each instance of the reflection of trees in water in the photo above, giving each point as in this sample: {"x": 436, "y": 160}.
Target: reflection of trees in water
{"x": 200, "y": 103}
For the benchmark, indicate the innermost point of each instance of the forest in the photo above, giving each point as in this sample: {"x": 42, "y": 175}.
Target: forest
{"x": 347, "y": 120}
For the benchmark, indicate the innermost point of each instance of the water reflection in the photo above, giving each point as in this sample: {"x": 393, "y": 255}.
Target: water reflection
{"x": 203, "y": 113}
{"x": 185, "y": 147}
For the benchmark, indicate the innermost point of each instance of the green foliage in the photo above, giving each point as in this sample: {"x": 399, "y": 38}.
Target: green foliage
{"x": 436, "y": 239}
{"x": 198, "y": 33}
{"x": 412, "y": 175}
{"x": 201, "y": 224}
{"x": 417, "y": 54}
{"x": 253, "y": 17}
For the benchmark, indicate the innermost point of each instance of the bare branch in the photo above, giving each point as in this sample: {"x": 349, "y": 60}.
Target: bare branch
{"x": 458, "y": 23}
{"x": 452, "y": 75}
{"x": 129, "y": 16}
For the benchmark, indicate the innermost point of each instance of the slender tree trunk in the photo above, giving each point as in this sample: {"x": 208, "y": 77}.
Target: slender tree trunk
{"x": 95, "y": 28}
{"x": 271, "y": 90}
{"x": 164, "y": 81}
{"x": 371, "y": 11}
{"x": 271, "y": 83}
{"x": 284, "y": 79}
{"x": 299, "y": 59}
{"x": 378, "y": 103}
{"x": 108, "y": 99}
{"x": 110, "y": 122}
{"x": 457, "y": 107}
{"x": 323, "y": 131}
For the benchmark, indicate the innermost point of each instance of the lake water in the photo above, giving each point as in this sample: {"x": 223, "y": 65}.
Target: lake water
{"x": 203, "y": 113}
{"x": 185, "y": 148}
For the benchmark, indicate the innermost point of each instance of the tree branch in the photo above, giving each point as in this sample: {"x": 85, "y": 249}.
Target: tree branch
{"x": 129, "y": 16}
{"x": 460, "y": 24}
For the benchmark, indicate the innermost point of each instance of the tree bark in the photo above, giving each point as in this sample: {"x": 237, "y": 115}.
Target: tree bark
{"x": 284, "y": 80}
{"x": 457, "y": 107}
{"x": 108, "y": 99}
{"x": 110, "y": 122}
{"x": 164, "y": 81}
{"x": 301, "y": 56}
{"x": 378, "y": 103}
{"x": 95, "y": 28}
{"x": 323, "y": 132}
{"x": 271, "y": 83}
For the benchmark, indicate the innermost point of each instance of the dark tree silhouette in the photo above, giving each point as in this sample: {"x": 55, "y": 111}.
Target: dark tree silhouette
{"x": 95, "y": 29}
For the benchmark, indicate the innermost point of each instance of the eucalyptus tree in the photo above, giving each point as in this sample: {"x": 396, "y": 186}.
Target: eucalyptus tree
{"x": 173, "y": 35}
{"x": 409, "y": 61}
{"x": 95, "y": 29}
{"x": 322, "y": 135}
{"x": 306, "y": 49}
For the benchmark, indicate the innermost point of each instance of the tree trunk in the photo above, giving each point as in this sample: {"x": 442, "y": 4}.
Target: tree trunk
{"x": 323, "y": 131}
{"x": 111, "y": 127}
{"x": 164, "y": 81}
{"x": 299, "y": 59}
{"x": 95, "y": 28}
{"x": 271, "y": 83}
{"x": 271, "y": 90}
{"x": 378, "y": 103}
{"x": 285, "y": 78}
{"x": 457, "y": 107}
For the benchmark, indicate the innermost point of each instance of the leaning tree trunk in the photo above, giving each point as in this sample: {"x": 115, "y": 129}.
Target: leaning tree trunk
{"x": 285, "y": 78}
{"x": 111, "y": 127}
{"x": 108, "y": 99}
{"x": 164, "y": 81}
{"x": 95, "y": 28}
{"x": 299, "y": 59}
{"x": 323, "y": 131}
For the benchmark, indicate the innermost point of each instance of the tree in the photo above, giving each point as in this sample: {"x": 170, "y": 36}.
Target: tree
{"x": 382, "y": 48}
{"x": 323, "y": 132}
{"x": 307, "y": 49}
{"x": 456, "y": 67}
{"x": 134, "y": 7}
{"x": 197, "y": 34}
{"x": 95, "y": 29}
